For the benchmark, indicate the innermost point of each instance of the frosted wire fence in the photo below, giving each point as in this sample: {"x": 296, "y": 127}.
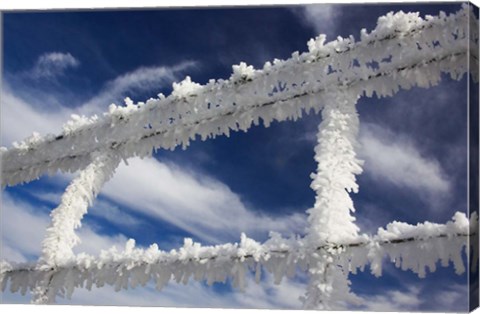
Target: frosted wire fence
{"x": 403, "y": 51}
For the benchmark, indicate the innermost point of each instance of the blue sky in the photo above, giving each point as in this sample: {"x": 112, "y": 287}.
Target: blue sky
{"x": 59, "y": 63}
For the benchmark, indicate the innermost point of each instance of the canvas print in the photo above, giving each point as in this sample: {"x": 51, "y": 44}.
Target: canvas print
{"x": 320, "y": 156}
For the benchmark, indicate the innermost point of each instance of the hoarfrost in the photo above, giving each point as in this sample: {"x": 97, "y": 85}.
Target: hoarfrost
{"x": 222, "y": 106}
{"x": 403, "y": 51}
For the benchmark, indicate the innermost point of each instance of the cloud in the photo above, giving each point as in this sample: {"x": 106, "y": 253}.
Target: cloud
{"x": 12, "y": 254}
{"x": 20, "y": 118}
{"x": 53, "y": 64}
{"x": 188, "y": 199}
{"x": 100, "y": 208}
{"x": 94, "y": 242}
{"x": 139, "y": 80}
{"x": 393, "y": 300}
{"x": 323, "y": 18}
{"x": 268, "y": 295}
{"x": 113, "y": 214}
{"x": 433, "y": 294}
{"x": 453, "y": 298}
{"x": 394, "y": 158}
{"x": 23, "y": 229}
{"x": 193, "y": 202}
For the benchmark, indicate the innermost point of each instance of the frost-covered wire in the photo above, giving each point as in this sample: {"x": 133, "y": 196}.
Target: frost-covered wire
{"x": 410, "y": 247}
{"x": 404, "y": 50}
{"x": 60, "y": 238}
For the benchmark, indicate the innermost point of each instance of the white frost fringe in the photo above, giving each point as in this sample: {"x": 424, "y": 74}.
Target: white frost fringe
{"x": 330, "y": 219}
{"x": 60, "y": 238}
{"x": 403, "y": 51}
{"x": 282, "y": 257}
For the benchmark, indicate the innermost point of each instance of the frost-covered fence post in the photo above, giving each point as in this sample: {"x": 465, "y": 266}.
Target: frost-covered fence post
{"x": 60, "y": 238}
{"x": 330, "y": 219}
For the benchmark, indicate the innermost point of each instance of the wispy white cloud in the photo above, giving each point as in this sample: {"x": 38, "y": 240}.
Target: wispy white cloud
{"x": 268, "y": 295}
{"x": 192, "y": 201}
{"x": 100, "y": 208}
{"x": 323, "y": 18}
{"x": 94, "y": 242}
{"x": 20, "y": 118}
{"x": 139, "y": 80}
{"x": 113, "y": 214}
{"x": 23, "y": 229}
{"x": 198, "y": 204}
{"x": 53, "y": 64}
{"x": 452, "y": 299}
{"x": 393, "y": 300}
{"x": 12, "y": 254}
{"x": 422, "y": 296}
{"x": 395, "y": 159}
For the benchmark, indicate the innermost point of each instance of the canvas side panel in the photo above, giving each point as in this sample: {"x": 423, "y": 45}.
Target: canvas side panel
{"x": 473, "y": 179}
